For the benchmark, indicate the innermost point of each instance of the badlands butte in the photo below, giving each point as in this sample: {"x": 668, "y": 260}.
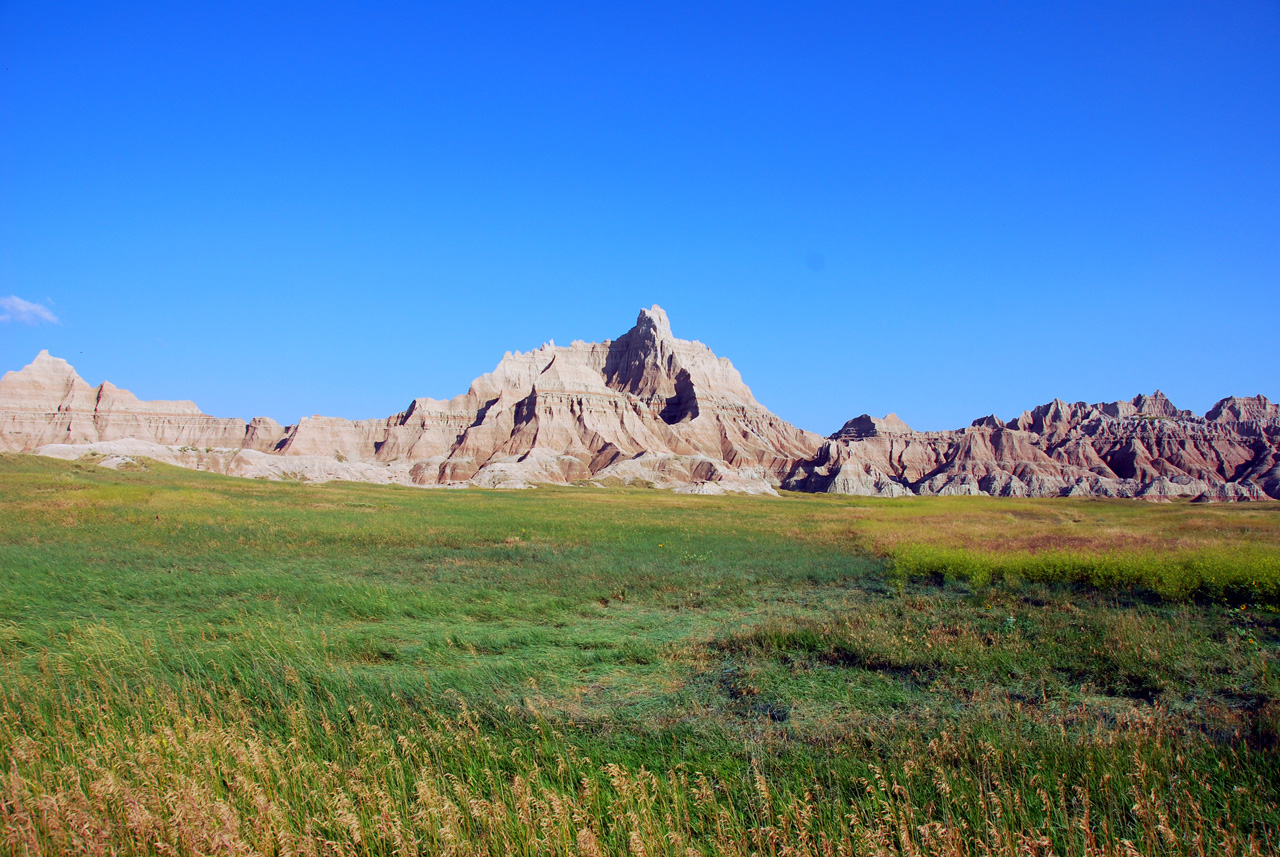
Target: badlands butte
{"x": 650, "y": 409}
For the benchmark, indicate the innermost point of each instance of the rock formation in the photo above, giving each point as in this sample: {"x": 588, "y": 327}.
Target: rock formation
{"x": 47, "y": 402}
{"x": 644, "y": 407}
{"x": 650, "y": 408}
{"x": 1144, "y": 448}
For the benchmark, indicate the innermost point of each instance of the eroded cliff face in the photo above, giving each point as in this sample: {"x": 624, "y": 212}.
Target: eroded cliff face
{"x": 1144, "y": 448}
{"x": 648, "y": 407}
{"x": 644, "y": 407}
{"x": 48, "y": 403}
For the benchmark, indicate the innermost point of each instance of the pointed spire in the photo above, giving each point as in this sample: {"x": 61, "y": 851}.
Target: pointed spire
{"x": 654, "y": 319}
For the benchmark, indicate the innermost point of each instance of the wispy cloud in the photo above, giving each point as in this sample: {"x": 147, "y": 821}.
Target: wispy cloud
{"x": 14, "y": 308}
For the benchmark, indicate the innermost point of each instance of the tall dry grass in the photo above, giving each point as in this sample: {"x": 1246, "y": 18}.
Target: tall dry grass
{"x": 102, "y": 765}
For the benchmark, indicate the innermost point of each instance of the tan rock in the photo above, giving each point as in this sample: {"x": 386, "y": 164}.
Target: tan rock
{"x": 650, "y": 409}
{"x": 646, "y": 406}
{"x": 48, "y": 403}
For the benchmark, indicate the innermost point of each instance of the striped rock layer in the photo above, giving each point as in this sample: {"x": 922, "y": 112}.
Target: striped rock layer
{"x": 644, "y": 407}
{"x": 1143, "y": 448}
{"x": 653, "y": 409}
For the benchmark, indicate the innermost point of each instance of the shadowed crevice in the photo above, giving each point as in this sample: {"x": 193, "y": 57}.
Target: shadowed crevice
{"x": 683, "y": 406}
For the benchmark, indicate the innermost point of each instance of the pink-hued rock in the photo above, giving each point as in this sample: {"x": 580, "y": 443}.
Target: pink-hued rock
{"x": 646, "y": 406}
{"x": 47, "y": 402}
{"x": 1247, "y": 409}
{"x": 1144, "y": 448}
{"x": 650, "y": 408}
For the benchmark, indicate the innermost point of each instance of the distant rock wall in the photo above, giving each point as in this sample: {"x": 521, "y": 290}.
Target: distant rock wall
{"x": 1144, "y": 448}
{"x": 650, "y": 408}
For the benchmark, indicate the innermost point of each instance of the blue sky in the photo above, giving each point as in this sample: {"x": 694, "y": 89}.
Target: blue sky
{"x": 943, "y": 210}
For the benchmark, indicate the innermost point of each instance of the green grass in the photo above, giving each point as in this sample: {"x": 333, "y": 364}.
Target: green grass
{"x": 1179, "y": 551}
{"x": 196, "y": 664}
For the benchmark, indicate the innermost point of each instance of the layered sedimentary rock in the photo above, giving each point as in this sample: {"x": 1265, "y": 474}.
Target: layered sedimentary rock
{"x": 646, "y": 406}
{"x": 1144, "y": 448}
{"x": 47, "y": 402}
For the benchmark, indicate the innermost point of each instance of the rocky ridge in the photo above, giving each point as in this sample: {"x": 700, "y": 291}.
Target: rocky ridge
{"x": 646, "y": 407}
{"x": 1144, "y": 448}
{"x": 649, "y": 408}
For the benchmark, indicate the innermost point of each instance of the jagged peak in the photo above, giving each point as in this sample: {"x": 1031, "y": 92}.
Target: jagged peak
{"x": 866, "y": 425}
{"x": 44, "y": 372}
{"x": 1156, "y": 405}
{"x": 642, "y": 361}
{"x": 48, "y": 363}
{"x": 1243, "y": 409}
{"x": 655, "y": 318}
{"x": 1045, "y": 418}
{"x": 1142, "y": 405}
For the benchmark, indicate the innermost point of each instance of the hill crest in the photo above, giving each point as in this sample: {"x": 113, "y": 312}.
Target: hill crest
{"x": 650, "y": 408}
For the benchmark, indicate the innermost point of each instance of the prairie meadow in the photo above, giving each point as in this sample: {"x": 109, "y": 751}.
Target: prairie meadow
{"x": 192, "y": 664}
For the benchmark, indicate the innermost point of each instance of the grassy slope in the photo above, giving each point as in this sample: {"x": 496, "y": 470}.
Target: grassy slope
{"x": 217, "y": 664}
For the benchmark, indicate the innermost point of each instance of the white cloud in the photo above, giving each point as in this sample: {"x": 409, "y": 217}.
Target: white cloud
{"x": 14, "y": 308}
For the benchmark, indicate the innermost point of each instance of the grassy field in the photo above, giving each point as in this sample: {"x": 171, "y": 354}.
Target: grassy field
{"x": 192, "y": 664}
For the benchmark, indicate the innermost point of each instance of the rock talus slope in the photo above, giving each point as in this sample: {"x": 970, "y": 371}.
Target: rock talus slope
{"x": 646, "y": 406}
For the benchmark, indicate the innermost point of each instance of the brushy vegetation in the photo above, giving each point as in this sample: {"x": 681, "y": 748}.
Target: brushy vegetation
{"x": 198, "y": 665}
